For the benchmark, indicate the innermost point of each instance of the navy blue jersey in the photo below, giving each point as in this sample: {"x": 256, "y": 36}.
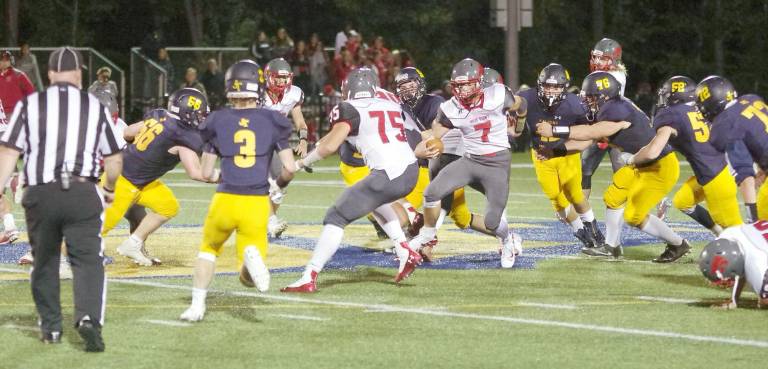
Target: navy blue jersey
{"x": 692, "y": 140}
{"x": 350, "y": 156}
{"x": 740, "y": 160}
{"x": 245, "y": 140}
{"x": 569, "y": 112}
{"x": 147, "y": 158}
{"x": 747, "y": 121}
{"x": 639, "y": 134}
{"x": 425, "y": 111}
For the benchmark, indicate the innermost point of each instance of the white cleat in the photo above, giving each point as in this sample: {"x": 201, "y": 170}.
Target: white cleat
{"x": 257, "y": 269}
{"x": 276, "y": 227}
{"x": 510, "y": 250}
{"x": 27, "y": 259}
{"x": 420, "y": 241}
{"x": 133, "y": 251}
{"x": 193, "y": 314}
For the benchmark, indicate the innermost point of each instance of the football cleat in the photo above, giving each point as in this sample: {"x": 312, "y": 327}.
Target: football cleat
{"x": 27, "y": 259}
{"x": 511, "y": 249}
{"x": 193, "y": 313}
{"x": 409, "y": 260}
{"x": 583, "y": 236}
{"x": 134, "y": 251}
{"x": 604, "y": 250}
{"x": 65, "y": 270}
{"x": 593, "y": 230}
{"x": 421, "y": 241}
{"x": 9, "y": 237}
{"x": 416, "y": 224}
{"x": 306, "y": 284}
{"x": 257, "y": 270}
{"x": 276, "y": 227}
{"x": 673, "y": 253}
{"x": 662, "y": 209}
{"x": 51, "y": 338}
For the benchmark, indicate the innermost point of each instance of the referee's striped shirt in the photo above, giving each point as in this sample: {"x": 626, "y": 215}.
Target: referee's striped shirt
{"x": 61, "y": 127}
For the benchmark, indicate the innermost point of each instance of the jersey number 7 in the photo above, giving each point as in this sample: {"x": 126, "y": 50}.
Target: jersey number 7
{"x": 394, "y": 121}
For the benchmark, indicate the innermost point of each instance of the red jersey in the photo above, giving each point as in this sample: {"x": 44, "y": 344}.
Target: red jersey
{"x": 14, "y": 85}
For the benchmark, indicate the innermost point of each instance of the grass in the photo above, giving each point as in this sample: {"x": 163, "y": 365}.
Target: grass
{"x": 550, "y": 312}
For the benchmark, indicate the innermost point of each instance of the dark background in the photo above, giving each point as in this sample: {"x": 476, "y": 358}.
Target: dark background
{"x": 660, "y": 37}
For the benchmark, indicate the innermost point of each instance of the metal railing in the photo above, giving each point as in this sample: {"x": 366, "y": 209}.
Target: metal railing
{"x": 145, "y": 73}
{"x": 94, "y": 61}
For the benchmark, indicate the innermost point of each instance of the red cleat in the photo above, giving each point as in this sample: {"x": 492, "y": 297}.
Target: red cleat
{"x": 426, "y": 250}
{"x": 303, "y": 285}
{"x": 409, "y": 260}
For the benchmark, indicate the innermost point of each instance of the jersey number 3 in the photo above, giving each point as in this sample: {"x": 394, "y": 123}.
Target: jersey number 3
{"x": 151, "y": 129}
{"x": 247, "y": 141}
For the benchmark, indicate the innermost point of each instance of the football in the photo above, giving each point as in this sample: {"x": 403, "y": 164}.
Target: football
{"x": 435, "y": 143}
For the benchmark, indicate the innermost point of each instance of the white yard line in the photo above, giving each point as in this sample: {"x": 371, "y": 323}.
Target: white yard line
{"x": 170, "y": 323}
{"x": 547, "y": 306}
{"x": 525, "y": 321}
{"x": 301, "y": 317}
{"x": 669, "y": 300}
{"x": 20, "y": 327}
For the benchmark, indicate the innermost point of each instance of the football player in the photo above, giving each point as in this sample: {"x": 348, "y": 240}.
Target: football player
{"x": 283, "y": 96}
{"x": 244, "y": 137}
{"x": 605, "y": 56}
{"x": 375, "y": 127}
{"x": 483, "y": 117}
{"x": 560, "y": 178}
{"x": 635, "y": 189}
{"x": 743, "y": 169}
{"x": 737, "y": 258}
{"x": 678, "y": 123}
{"x": 159, "y": 143}
{"x": 736, "y": 119}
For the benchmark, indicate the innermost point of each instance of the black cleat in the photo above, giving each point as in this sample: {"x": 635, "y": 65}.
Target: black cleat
{"x": 604, "y": 250}
{"x": 673, "y": 253}
{"x": 91, "y": 334}
{"x": 51, "y": 337}
{"x": 585, "y": 239}
{"x": 594, "y": 231}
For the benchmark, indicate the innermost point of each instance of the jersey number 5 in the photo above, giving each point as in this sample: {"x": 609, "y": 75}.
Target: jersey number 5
{"x": 700, "y": 127}
{"x": 394, "y": 120}
{"x": 151, "y": 129}
{"x": 247, "y": 141}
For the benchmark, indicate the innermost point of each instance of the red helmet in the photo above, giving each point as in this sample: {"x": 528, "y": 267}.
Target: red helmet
{"x": 605, "y": 56}
{"x": 279, "y": 75}
{"x": 466, "y": 79}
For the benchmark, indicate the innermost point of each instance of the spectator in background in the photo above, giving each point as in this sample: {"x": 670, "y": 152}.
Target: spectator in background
{"x": 261, "y": 48}
{"x": 152, "y": 44}
{"x": 27, "y": 63}
{"x": 282, "y": 45}
{"x": 378, "y": 47}
{"x": 353, "y": 44}
{"x": 644, "y": 98}
{"x": 380, "y": 67}
{"x": 341, "y": 40}
{"x": 300, "y": 63}
{"x": 164, "y": 61}
{"x": 344, "y": 64}
{"x": 445, "y": 90}
{"x": 190, "y": 81}
{"x": 318, "y": 64}
{"x": 213, "y": 81}
{"x": 105, "y": 90}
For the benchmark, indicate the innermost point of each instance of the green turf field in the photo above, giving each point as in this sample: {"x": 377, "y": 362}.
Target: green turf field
{"x": 555, "y": 309}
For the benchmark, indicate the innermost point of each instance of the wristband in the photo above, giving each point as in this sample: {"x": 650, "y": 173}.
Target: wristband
{"x": 303, "y": 134}
{"x": 311, "y": 158}
{"x": 561, "y": 131}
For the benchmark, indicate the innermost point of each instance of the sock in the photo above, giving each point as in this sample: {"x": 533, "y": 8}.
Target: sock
{"x": 327, "y": 244}
{"x": 752, "y": 210}
{"x": 502, "y": 231}
{"x": 198, "y": 296}
{"x": 273, "y": 218}
{"x": 700, "y": 215}
{"x": 394, "y": 231}
{"x": 576, "y": 224}
{"x": 136, "y": 239}
{"x": 440, "y": 218}
{"x": 657, "y": 228}
{"x": 428, "y": 232}
{"x": 410, "y": 210}
{"x": 614, "y": 221}
{"x": 588, "y": 216}
{"x": 8, "y": 222}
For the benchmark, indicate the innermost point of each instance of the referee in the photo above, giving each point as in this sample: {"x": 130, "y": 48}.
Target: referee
{"x": 63, "y": 133}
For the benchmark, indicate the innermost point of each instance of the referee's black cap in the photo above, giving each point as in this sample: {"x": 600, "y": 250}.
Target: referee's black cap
{"x": 65, "y": 59}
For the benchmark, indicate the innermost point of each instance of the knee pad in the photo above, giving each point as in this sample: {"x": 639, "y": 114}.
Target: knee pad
{"x": 333, "y": 216}
{"x": 633, "y": 217}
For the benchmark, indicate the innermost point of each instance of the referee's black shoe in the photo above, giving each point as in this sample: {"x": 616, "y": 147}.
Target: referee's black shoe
{"x": 91, "y": 334}
{"x": 51, "y": 337}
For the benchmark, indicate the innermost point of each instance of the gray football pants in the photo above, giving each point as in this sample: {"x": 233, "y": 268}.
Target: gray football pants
{"x": 367, "y": 195}
{"x": 487, "y": 174}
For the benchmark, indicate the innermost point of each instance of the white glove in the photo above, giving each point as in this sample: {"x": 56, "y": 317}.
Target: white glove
{"x": 627, "y": 158}
{"x": 276, "y": 194}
